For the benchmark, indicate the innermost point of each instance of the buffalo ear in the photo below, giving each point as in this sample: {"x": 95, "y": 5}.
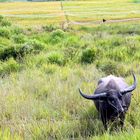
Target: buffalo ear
{"x": 100, "y": 96}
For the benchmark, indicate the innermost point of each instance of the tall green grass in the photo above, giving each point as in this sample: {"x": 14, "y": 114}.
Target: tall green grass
{"x": 41, "y": 71}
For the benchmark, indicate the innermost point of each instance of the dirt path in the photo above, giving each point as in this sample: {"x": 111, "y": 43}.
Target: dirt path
{"x": 107, "y": 21}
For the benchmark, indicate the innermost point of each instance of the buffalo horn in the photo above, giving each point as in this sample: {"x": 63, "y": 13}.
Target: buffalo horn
{"x": 100, "y": 96}
{"x": 130, "y": 88}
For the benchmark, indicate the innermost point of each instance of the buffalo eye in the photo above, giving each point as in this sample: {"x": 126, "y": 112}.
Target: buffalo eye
{"x": 120, "y": 96}
{"x": 112, "y": 101}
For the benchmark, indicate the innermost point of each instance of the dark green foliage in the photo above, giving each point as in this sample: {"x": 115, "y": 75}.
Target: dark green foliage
{"x": 18, "y": 51}
{"x": 88, "y": 55}
{"x": 8, "y": 52}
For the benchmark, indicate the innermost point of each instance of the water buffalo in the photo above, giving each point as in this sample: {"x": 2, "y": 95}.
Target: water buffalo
{"x": 112, "y": 98}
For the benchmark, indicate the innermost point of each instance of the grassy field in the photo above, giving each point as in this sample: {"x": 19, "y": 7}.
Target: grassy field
{"x": 42, "y": 67}
{"x": 55, "y": 12}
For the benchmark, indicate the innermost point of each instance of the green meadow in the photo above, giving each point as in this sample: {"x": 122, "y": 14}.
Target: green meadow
{"x": 42, "y": 67}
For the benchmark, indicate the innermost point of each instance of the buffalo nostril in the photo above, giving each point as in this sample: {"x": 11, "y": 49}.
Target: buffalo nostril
{"x": 121, "y": 110}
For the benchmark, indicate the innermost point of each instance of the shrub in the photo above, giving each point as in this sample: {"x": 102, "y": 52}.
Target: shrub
{"x": 17, "y": 30}
{"x": 32, "y": 46}
{"x": 8, "y": 52}
{"x": 35, "y": 44}
{"x": 88, "y": 55}
{"x": 19, "y": 38}
{"x": 18, "y": 51}
{"x": 25, "y": 49}
{"x": 55, "y": 58}
{"x": 56, "y": 36}
{"x": 5, "y": 32}
{"x": 5, "y": 22}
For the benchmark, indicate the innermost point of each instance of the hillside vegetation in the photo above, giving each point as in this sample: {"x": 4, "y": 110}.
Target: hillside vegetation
{"x": 42, "y": 68}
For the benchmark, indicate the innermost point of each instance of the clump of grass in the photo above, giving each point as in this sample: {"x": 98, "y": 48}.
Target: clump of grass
{"x": 56, "y": 36}
{"x": 7, "y": 52}
{"x": 19, "y": 39}
{"x": 89, "y": 55}
{"x": 9, "y": 66}
{"x": 5, "y": 32}
{"x": 17, "y": 30}
{"x": 112, "y": 67}
{"x": 55, "y": 58}
{"x": 35, "y": 44}
{"x": 4, "y": 21}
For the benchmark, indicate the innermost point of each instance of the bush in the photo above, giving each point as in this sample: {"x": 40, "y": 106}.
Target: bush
{"x": 32, "y": 46}
{"x": 5, "y": 32}
{"x": 8, "y": 52}
{"x": 55, "y": 58}
{"x": 17, "y": 30}
{"x": 19, "y": 38}
{"x": 35, "y": 45}
{"x": 24, "y": 50}
{"x": 56, "y": 36}
{"x": 4, "y": 21}
{"x": 88, "y": 55}
{"x": 18, "y": 51}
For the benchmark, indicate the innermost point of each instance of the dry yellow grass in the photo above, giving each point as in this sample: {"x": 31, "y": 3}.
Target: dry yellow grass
{"x": 39, "y": 13}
